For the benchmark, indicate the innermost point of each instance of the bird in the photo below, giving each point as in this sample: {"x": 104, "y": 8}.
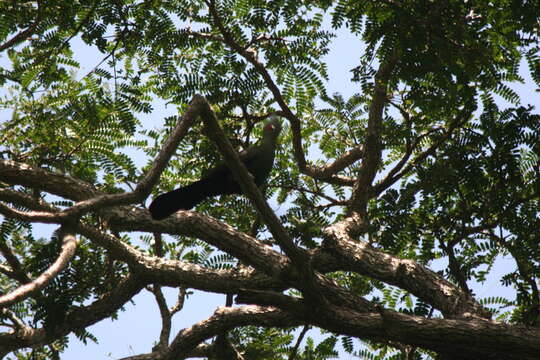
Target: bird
{"x": 258, "y": 159}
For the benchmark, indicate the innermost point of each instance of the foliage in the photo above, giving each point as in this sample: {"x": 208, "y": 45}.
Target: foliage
{"x": 468, "y": 195}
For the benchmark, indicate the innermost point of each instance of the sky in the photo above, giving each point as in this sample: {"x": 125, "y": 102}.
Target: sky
{"x": 137, "y": 328}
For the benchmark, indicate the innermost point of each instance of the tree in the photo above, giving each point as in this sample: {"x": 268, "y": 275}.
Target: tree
{"x": 423, "y": 165}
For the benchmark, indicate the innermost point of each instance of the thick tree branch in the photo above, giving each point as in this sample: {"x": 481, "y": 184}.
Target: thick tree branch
{"x": 248, "y": 249}
{"x": 360, "y": 257}
{"x": 16, "y": 173}
{"x": 471, "y": 338}
{"x": 178, "y": 273}
{"x": 476, "y": 338}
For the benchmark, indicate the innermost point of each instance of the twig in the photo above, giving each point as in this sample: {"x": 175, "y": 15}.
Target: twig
{"x": 294, "y": 350}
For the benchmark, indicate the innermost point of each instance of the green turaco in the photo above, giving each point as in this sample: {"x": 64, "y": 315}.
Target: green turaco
{"x": 258, "y": 160}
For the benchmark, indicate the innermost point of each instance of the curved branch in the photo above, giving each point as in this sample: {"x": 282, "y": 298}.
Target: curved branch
{"x": 226, "y": 318}
{"x": 360, "y": 257}
{"x": 161, "y": 271}
{"x": 165, "y": 317}
{"x": 69, "y": 245}
{"x": 246, "y": 248}
{"x": 16, "y": 173}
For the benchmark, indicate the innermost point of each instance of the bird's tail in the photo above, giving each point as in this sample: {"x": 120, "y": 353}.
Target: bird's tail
{"x": 183, "y": 198}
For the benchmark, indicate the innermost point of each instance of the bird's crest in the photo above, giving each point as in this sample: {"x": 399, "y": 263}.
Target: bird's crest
{"x": 273, "y": 125}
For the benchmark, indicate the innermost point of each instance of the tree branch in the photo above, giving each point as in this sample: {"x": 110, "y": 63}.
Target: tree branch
{"x": 178, "y": 273}
{"x": 223, "y": 319}
{"x": 77, "y": 319}
{"x": 69, "y": 245}
{"x": 298, "y": 256}
{"x": 165, "y": 317}
{"x": 327, "y": 173}
{"x": 360, "y": 257}
{"x": 395, "y": 174}
{"x": 371, "y": 158}
{"x": 21, "y": 36}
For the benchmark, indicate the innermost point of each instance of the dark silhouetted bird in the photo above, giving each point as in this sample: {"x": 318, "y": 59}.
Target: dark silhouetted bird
{"x": 258, "y": 160}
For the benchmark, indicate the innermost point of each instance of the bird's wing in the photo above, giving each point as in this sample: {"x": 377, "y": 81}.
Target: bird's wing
{"x": 220, "y": 169}
{"x": 248, "y": 154}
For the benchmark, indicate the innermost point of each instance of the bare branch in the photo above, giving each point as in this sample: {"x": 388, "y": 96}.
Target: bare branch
{"x": 473, "y": 337}
{"x": 251, "y": 251}
{"x": 406, "y": 274}
{"x": 69, "y": 245}
{"x": 165, "y": 318}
